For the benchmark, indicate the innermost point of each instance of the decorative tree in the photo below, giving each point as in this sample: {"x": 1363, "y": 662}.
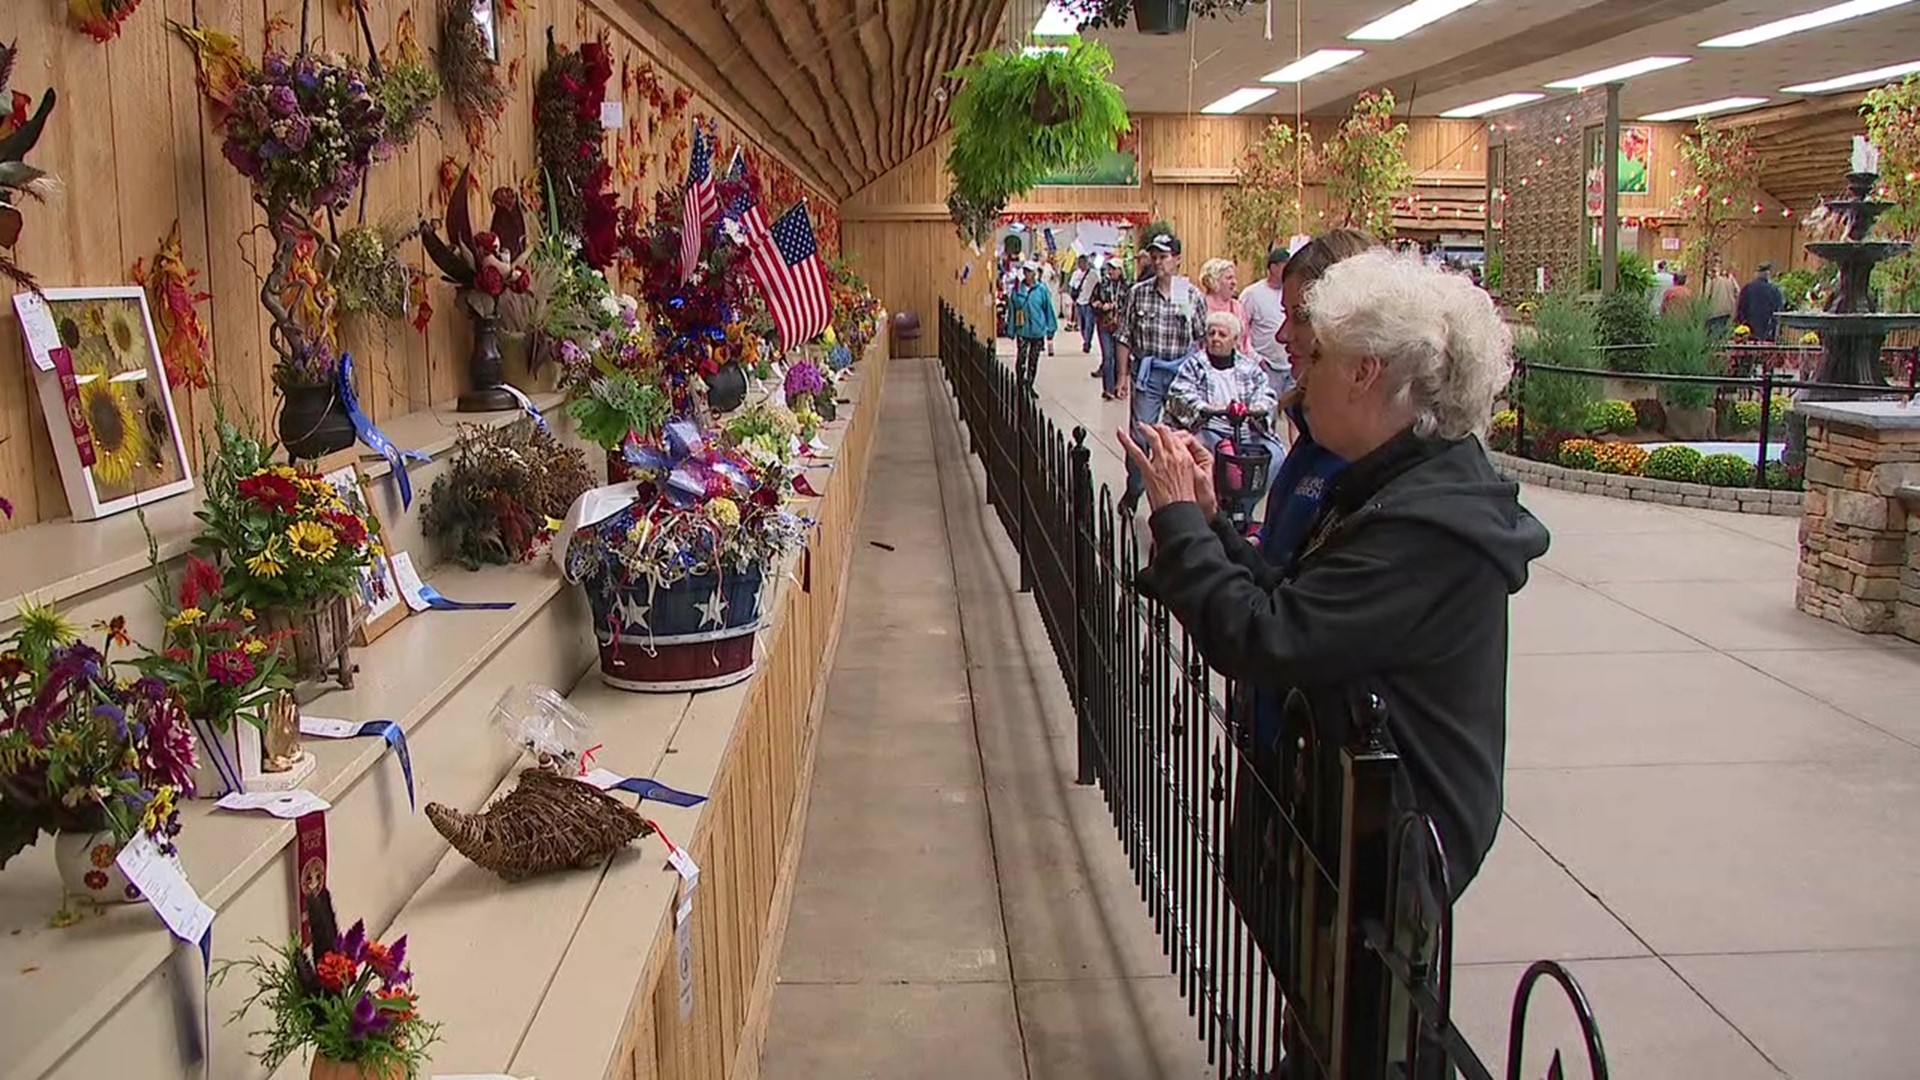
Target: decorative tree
{"x": 1892, "y": 113}
{"x": 1366, "y": 165}
{"x": 1725, "y": 171}
{"x": 1265, "y": 207}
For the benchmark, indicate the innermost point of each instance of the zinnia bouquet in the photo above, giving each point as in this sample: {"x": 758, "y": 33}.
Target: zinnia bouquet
{"x": 213, "y": 656}
{"x": 349, "y": 999}
{"x": 284, "y": 536}
{"x": 79, "y": 750}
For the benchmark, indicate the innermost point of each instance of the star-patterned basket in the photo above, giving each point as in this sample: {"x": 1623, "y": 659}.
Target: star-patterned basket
{"x": 696, "y": 634}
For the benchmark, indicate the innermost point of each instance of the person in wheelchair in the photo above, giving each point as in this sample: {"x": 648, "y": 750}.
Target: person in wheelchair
{"x": 1222, "y": 394}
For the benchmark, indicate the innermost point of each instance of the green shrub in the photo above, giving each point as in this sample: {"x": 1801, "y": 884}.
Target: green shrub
{"x": 1611, "y": 417}
{"x": 1680, "y": 463}
{"x": 1579, "y": 453}
{"x": 1633, "y": 273}
{"x": 1743, "y": 415}
{"x": 1784, "y": 477}
{"x": 1779, "y": 408}
{"x": 1563, "y": 335}
{"x": 1624, "y": 324}
{"x": 1492, "y": 273}
{"x": 1682, "y": 345}
{"x": 1726, "y": 470}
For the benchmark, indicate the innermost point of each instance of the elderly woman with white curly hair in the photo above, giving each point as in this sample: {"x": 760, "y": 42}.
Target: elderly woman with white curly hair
{"x": 1401, "y": 588}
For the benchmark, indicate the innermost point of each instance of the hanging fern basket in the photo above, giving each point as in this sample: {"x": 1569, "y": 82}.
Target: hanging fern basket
{"x": 1161, "y": 16}
{"x": 1049, "y": 106}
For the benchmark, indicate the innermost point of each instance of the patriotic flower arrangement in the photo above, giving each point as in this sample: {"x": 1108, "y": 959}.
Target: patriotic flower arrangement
{"x": 285, "y": 536}
{"x": 347, "y": 998}
{"x": 699, "y": 505}
{"x": 82, "y": 751}
{"x": 856, "y": 313}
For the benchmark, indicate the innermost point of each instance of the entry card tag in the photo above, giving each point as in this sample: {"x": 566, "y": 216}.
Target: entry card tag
{"x": 411, "y": 587}
{"x": 324, "y": 727}
{"x": 161, "y": 880}
{"x": 603, "y": 779}
{"x": 613, "y": 115}
{"x": 683, "y": 862}
{"x": 281, "y": 804}
{"x": 43, "y": 336}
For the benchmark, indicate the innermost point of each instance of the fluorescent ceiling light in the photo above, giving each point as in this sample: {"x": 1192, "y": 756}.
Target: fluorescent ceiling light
{"x": 1492, "y": 104}
{"x": 1402, "y": 21}
{"x": 1858, "y": 78}
{"x": 1311, "y": 64}
{"x": 1707, "y": 108}
{"x": 1618, "y": 72}
{"x": 1780, "y": 28}
{"x": 1055, "y": 22}
{"x": 1240, "y": 99}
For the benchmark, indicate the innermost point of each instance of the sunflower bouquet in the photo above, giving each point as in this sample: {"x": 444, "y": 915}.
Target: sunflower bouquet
{"x": 80, "y": 750}
{"x": 349, "y": 999}
{"x": 284, "y": 536}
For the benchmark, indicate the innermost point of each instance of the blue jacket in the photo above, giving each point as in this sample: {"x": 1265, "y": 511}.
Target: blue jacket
{"x": 1030, "y": 311}
{"x": 1293, "y": 503}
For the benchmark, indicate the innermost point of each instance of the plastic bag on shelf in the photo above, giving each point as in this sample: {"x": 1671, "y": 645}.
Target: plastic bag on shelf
{"x": 539, "y": 721}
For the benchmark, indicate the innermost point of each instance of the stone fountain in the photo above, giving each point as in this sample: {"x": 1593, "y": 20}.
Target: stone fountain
{"x": 1852, "y": 329}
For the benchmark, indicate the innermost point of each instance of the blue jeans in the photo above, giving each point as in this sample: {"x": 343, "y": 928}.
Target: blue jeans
{"x": 1151, "y": 378}
{"x": 1109, "y": 362}
{"x": 1085, "y": 314}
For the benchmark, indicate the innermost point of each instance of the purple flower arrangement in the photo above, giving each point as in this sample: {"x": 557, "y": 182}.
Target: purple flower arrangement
{"x": 804, "y": 380}
{"x": 81, "y": 751}
{"x": 346, "y": 997}
{"x": 304, "y": 130}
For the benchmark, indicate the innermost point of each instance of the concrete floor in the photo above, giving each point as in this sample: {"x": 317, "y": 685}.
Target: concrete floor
{"x": 1711, "y": 806}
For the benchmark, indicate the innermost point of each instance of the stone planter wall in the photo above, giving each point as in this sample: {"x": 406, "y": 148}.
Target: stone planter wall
{"x": 1647, "y": 489}
{"x": 1860, "y": 539}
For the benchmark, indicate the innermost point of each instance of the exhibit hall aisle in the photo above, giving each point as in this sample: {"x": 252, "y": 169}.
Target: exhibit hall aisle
{"x": 962, "y": 908}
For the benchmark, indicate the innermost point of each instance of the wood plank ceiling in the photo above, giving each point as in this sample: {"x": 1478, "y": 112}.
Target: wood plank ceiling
{"x": 847, "y": 89}
{"x": 1803, "y": 147}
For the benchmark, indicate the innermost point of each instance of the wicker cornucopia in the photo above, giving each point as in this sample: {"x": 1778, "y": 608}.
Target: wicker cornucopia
{"x": 547, "y": 822}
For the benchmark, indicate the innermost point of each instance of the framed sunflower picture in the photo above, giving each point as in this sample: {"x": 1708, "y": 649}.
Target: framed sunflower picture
{"x": 104, "y": 391}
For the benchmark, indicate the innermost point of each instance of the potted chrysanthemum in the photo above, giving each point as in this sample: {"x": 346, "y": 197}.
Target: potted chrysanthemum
{"x": 347, "y": 999}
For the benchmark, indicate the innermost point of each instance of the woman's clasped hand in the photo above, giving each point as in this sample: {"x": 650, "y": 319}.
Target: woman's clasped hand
{"x": 1174, "y": 465}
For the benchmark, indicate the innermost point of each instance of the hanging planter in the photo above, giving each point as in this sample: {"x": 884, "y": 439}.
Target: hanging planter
{"x": 1148, "y": 16}
{"x": 1161, "y": 16}
{"x": 1020, "y": 118}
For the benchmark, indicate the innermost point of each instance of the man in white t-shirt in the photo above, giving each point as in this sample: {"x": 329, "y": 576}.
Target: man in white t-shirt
{"x": 1266, "y": 311}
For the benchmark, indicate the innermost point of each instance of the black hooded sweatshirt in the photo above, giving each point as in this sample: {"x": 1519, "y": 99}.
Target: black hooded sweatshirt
{"x": 1401, "y": 591}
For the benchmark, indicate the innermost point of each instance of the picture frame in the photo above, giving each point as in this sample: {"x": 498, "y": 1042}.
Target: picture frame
{"x": 485, "y": 18}
{"x": 103, "y": 387}
{"x": 381, "y": 605}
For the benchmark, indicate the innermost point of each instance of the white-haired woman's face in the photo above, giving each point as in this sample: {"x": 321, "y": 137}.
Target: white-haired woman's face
{"x": 1343, "y": 400}
{"x": 1226, "y": 282}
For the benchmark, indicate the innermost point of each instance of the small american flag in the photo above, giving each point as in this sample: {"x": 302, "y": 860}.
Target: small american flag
{"x": 785, "y": 260}
{"x": 700, "y": 203}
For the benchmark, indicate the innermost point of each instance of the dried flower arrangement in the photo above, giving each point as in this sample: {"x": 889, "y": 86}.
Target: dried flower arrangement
{"x": 173, "y": 289}
{"x": 495, "y": 504}
{"x": 566, "y": 110}
{"x": 470, "y": 77}
{"x": 487, "y": 267}
{"x": 349, "y": 999}
{"x": 18, "y": 132}
{"x": 100, "y": 19}
{"x": 407, "y": 84}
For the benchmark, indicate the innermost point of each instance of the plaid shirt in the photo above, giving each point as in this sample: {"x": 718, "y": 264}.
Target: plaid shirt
{"x": 1163, "y": 327}
{"x": 1199, "y": 385}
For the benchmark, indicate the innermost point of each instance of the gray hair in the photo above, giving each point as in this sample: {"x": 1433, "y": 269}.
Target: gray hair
{"x": 1227, "y": 319}
{"x": 1445, "y": 350}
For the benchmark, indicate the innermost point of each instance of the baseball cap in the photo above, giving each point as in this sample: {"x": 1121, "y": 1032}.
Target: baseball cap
{"x": 1765, "y": 268}
{"x": 1166, "y": 242}
{"x": 1277, "y": 257}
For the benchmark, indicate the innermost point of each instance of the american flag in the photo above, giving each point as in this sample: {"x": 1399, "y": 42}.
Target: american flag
{"x": 786, "y": 262}
{"x": 700, "y": 203}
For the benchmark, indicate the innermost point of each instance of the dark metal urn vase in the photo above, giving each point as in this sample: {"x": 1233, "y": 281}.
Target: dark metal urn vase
{"x": 487, "y": 371}
{"x": 313, "y": 422}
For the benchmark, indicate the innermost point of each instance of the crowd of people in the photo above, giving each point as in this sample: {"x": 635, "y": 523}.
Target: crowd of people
{"x": 1389, "y": 544}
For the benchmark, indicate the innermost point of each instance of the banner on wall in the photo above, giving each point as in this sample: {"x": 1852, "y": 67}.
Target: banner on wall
{"x": 1115, "y": 168}
{"x": 1636, "y": 166}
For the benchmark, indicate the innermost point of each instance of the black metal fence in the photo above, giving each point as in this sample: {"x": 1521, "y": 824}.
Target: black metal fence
{"x": 1293, "y": 902}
